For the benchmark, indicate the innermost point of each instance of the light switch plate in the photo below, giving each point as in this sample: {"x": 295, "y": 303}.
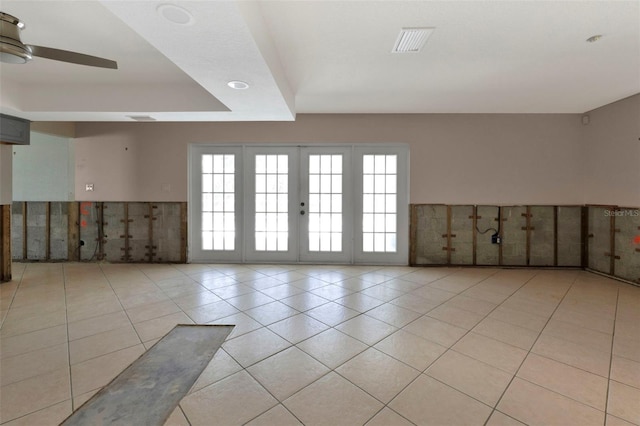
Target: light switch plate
{"x": 88, "y": 187}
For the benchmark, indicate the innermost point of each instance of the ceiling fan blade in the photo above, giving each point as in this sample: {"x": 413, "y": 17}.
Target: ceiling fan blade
{"x": 73, "y": 57}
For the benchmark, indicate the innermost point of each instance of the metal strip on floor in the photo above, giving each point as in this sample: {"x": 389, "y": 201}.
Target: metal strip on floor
{"x": 148, "y": 390}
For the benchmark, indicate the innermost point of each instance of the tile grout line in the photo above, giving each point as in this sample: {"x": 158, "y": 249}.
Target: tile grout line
{"x": 613, "y": 338}
{"x": 66, "y": 323}
{"x": 529, "y": 352}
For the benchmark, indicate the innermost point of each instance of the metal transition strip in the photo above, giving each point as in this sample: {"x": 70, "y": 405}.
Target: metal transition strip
{"x": 148, "y": 390}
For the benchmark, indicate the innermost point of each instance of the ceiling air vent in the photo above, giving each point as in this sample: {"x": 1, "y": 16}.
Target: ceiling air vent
{"x": 411, "y": 40}
{"x": 141, "y": 117}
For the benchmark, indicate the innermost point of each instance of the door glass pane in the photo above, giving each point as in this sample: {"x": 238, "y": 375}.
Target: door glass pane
{"x": 272, "y": 203}
{"x": 325, "y": 203}
{"x": 218, "y": 202}
{"x": 379, "y": 186}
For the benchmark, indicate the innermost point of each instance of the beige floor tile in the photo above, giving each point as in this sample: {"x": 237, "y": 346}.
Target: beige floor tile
{"x": 627, "y": 348}
{"x": 52, "y": 415}
{"x": 282, "y": 291}
{"x": 470, "y": 304}
{"x": 304, "y": 301}
{"x": 580, "y": 335}
{"x": 210, "y": 312}
{"x": 359, "y": 302}
{"x": 573, "y": 354}
{"x": 250, "y": 300}
{"x": 624, "y": 402}
{"x": 490, "y": 351}
{"x": 625, "y": 371}
{"x": 499, "y": 419}
{"x": 95, "y": 325}
{"x": 152, "y": 310}
{"x": 332, "y": 313}
{"x": 158, "y": 327}
{"x": 427, "y": 401}
{"x": 616, "y": 421}
{"x": 436, "y": 331}
{"x": 532, "y": 404}
{"x": 474, "y": 378}
{"x": 572, "y": 382}
{"x": 271, "y": 312}
{"x": 286, "y": 372}
{"x": 79, "y": 400}
{"x": 13, "y": 327}
{"x": 332, "y": 348}
{"x": 388, "y": 417}
{"x": 297, "y": 328}
{"x": 382, "y": 292}
{"x": 194, "y": 300}
{"x": 221, "y": 366}
{"x": 433, "y": 294}
{"x": 486, "y": 293}
{"x": 584, "y": 319}
{"x": 331, "y": 292}
{"x": 40, "y": 339}
{"x": 27, "y": 396}
{"x": 378, "y": 374}
{"x": 93, "y": 309}
{"x": 332, "y": 401}
{"x": 177, "y": 418}
{"x": 231, "y": 401}
{"x": 521, "y": 318}
{"x": 97, "y": 372}
{"x": 507, "y": 333}
{"x": 255, "y": 346}
{"x": 366, "y": 329}
{"x": 278, "y": 415}
{"x": 34, "y": 363}
{"x": 392, "y": 314}
{"x": 456, "y": 316}
{"x": 102, "y": 343}
{"x": 243, "y": 324}
{"x": 413, "y": 350}
{"x": 415, "y": 303}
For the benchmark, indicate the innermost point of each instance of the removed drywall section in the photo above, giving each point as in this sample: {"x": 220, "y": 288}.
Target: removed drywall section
{"x": 627, "y": 243}
{"x": 44, "y": 170}
{"x": 99, "y": 231}
{"x": 569, "y": 232}
{"x": 6, "y": 174}
{"x": 599, "y": 239}
{"x": 529, "y": 235}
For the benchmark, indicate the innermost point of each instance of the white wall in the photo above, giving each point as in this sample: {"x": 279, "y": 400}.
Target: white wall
{"x": 5, "y": 174}
{"x": 44, "y": 170}
{"x": 455, "y": 158}
{"x": 611, "y": 144}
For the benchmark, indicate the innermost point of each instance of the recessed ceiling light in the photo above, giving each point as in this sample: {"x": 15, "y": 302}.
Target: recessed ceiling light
{"x": 594, "y": 38}
{"x": 239, "y": 85}
{"x": 175, "y": 14}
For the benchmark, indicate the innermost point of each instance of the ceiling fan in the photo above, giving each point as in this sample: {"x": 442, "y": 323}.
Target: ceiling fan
{"x": 13, "y": 51}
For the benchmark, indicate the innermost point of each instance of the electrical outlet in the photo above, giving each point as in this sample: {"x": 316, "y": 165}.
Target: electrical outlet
{"x": 88, "y": 187}
{"x": 496, "y": 239}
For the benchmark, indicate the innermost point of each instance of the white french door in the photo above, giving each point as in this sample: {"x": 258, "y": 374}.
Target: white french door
{"x": 312, "y": 204}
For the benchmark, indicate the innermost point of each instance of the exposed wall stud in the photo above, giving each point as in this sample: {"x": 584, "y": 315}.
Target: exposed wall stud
{"x": 183, "y": 232}
{"x": 73, "y": 232}
{"x": 5, "y": 243}
{"x": 24, "y": 230}
{"x": 47, "y": 233}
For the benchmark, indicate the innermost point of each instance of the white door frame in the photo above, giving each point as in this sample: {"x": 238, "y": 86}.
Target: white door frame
{"x": 353, "y": 208}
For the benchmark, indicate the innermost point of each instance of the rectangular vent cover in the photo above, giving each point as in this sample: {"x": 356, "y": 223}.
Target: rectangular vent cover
{"x": 411, "y": 40}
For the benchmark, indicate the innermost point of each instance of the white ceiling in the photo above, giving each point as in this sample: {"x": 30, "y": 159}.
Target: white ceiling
{"x": 322, "y": 57}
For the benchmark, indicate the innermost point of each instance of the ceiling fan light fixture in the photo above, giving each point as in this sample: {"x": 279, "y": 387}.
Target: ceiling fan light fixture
{"x": 175, "y": 14}
{"x": 13, "y": 54}
{"x": 238, "y": 85}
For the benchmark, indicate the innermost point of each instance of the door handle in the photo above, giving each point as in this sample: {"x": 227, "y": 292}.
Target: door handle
{"x": 302, "y": 212}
